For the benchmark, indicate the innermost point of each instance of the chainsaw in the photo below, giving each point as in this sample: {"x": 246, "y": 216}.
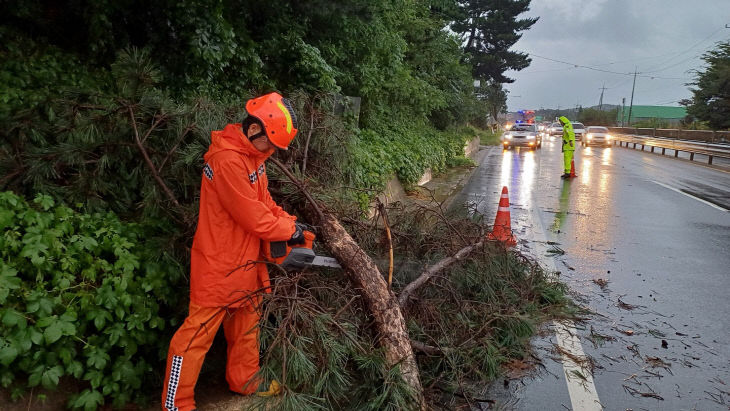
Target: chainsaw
{"x": 294, "y": 257}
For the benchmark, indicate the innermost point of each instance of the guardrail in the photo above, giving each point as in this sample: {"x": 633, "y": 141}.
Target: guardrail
{"x": 707, "y": 136}
{"x": 691, "y": 147}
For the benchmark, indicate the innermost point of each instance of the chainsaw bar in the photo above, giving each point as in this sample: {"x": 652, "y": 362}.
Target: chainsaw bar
{"x": 325, "y": 262}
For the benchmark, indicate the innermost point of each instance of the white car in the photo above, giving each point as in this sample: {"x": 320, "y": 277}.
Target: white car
{"x": 555, "y": 129}
{"x": 597, "y": 136}
{"x": 580, "y": 131}
{"x": 524, "y": 135}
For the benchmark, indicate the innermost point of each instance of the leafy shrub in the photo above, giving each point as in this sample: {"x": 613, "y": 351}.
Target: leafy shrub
{"x": 83, "y": 296}
{"x": 31, "y": 74}
{"x": 404, "y": 150}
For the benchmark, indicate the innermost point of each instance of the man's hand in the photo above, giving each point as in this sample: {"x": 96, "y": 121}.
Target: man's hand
{"x": 298, "y": 236}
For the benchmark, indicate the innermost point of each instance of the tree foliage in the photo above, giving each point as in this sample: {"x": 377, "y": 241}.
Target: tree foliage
{"x": 489, "y": 28}
{"x": 595, "y": 117}
{"x": 711, "y": 96}
{"x": 495, "y": 98}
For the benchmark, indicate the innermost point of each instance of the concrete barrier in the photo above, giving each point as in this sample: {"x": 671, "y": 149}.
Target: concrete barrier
{"x": 471, "y": 148}
{"x": 394, "y": 190}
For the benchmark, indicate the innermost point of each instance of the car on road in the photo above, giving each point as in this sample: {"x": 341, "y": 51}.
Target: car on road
{"x": 580, "y": 131}
{"x": 596, "y": 135}
{"x": 523, "y": 135}
{"x": 555, "y": 129}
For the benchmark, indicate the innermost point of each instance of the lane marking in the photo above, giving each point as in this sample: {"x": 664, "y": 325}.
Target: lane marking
{"x": 676, "y": 190}
{"x": 581, "y": 388}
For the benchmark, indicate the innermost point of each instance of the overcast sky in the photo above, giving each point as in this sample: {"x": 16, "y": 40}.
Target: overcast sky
{"x": 664, "y": 38}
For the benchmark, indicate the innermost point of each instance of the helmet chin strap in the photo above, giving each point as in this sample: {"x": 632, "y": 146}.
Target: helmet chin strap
{"x": 257, "y": 135}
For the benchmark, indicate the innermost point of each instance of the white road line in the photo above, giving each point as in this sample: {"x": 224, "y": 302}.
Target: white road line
{"x": 690, "y": 196}
{"x": 581, "y": 389}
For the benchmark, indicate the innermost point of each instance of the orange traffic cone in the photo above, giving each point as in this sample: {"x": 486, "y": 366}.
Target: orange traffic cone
{"x": 572, "y": 168}
{"x": 502, "y": 230}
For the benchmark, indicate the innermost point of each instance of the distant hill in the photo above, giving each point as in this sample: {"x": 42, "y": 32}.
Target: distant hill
{"x": 549, "y": 114}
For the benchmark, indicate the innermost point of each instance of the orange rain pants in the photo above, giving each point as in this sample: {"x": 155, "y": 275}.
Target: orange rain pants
{"x": 192, "y": 341}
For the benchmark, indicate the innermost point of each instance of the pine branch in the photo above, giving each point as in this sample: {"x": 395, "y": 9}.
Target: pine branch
{"x": 174, "y": 148}
{"x": 309, "y": 136}
{"x": 299, "y": 184}
{"x": 147, "y": 159}
{"x": 430, "y": 272}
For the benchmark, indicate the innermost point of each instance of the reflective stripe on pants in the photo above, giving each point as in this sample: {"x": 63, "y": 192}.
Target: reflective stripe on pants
{"x": 192, "y": 341}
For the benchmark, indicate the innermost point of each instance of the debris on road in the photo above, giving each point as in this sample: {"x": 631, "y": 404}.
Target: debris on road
{"x": 601, "y": 282}
{"x": 555, "y": 250}
{"x": 625, "y": 306}
{"x": 634, "y": 392}
{"x": 656, "y": 362}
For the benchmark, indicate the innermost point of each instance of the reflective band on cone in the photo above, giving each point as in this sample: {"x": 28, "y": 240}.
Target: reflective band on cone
{"x": 502, "y": 230}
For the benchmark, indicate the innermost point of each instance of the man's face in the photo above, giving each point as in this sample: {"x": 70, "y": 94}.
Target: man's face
{"x": 262, "y": 143}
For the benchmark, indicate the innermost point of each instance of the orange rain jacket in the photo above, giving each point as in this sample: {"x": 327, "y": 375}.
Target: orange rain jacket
{"x": 236, "y": 214}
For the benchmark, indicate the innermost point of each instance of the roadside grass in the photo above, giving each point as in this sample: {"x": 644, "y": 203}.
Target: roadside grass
{"x": 487, "y": 137}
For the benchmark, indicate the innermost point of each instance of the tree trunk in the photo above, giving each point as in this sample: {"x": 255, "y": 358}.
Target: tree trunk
{"x": 383, "y": 304}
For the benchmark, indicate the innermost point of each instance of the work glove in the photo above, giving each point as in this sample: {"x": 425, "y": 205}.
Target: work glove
{"x": 298, "y": 236}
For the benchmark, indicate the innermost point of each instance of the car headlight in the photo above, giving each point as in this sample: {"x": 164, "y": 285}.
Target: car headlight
{"x": 530, "y": 137}
{"x": 608, "y": 137}
{"x": 589, "y": 136}
{"x": 508, "y": 136}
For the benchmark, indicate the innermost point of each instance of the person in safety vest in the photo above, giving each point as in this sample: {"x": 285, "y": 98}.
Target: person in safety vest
{"x": 236, "y": 215}
{"x": 568, "y": 145}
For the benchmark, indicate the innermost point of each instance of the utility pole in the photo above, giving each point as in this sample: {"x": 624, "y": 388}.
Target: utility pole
{"x": 632, "y": 95}
{"x": 623, "y": 110}
{"x": 600, "y": 100}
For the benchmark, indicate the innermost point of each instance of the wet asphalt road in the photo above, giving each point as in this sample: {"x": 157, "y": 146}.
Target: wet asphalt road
{"x": 655, "y": 232}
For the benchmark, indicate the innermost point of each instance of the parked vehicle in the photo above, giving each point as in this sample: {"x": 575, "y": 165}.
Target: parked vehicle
{"x": 523, "y": 135}
{"x": 597, "y": 136}
{"x": 580, "y": 131}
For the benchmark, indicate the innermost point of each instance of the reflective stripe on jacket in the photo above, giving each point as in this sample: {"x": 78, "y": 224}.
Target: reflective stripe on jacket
{"x": 236, "y": 214}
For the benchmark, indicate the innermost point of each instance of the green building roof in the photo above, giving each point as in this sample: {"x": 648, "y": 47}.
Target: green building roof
{"x": 660, "y": 112}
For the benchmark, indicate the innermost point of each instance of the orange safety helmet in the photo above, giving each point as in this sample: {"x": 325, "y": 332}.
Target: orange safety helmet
{"x": 277, "y": 116}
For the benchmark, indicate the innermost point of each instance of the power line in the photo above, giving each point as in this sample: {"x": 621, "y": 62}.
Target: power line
{"x": 639, "y": 74}
{"x": 682, "y": 52}
{"x": 660, "y": 103}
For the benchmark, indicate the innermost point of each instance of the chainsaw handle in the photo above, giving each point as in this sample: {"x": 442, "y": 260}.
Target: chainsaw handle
{"x": 277, "y": 251}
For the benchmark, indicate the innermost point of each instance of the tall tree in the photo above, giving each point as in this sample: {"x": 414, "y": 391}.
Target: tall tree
{"x": 495, "y": 98}
{"x": 489, "y": 28}
{"x": 711, "y": 97}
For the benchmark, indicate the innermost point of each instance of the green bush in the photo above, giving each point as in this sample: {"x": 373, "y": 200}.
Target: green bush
{"x": 404, "y": 150}
{"x": 32, "y": 74}
{"x": 84, "y": 297}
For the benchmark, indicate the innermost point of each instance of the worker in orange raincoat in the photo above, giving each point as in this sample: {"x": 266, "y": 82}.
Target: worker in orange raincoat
{"x": 237, "y": 213}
